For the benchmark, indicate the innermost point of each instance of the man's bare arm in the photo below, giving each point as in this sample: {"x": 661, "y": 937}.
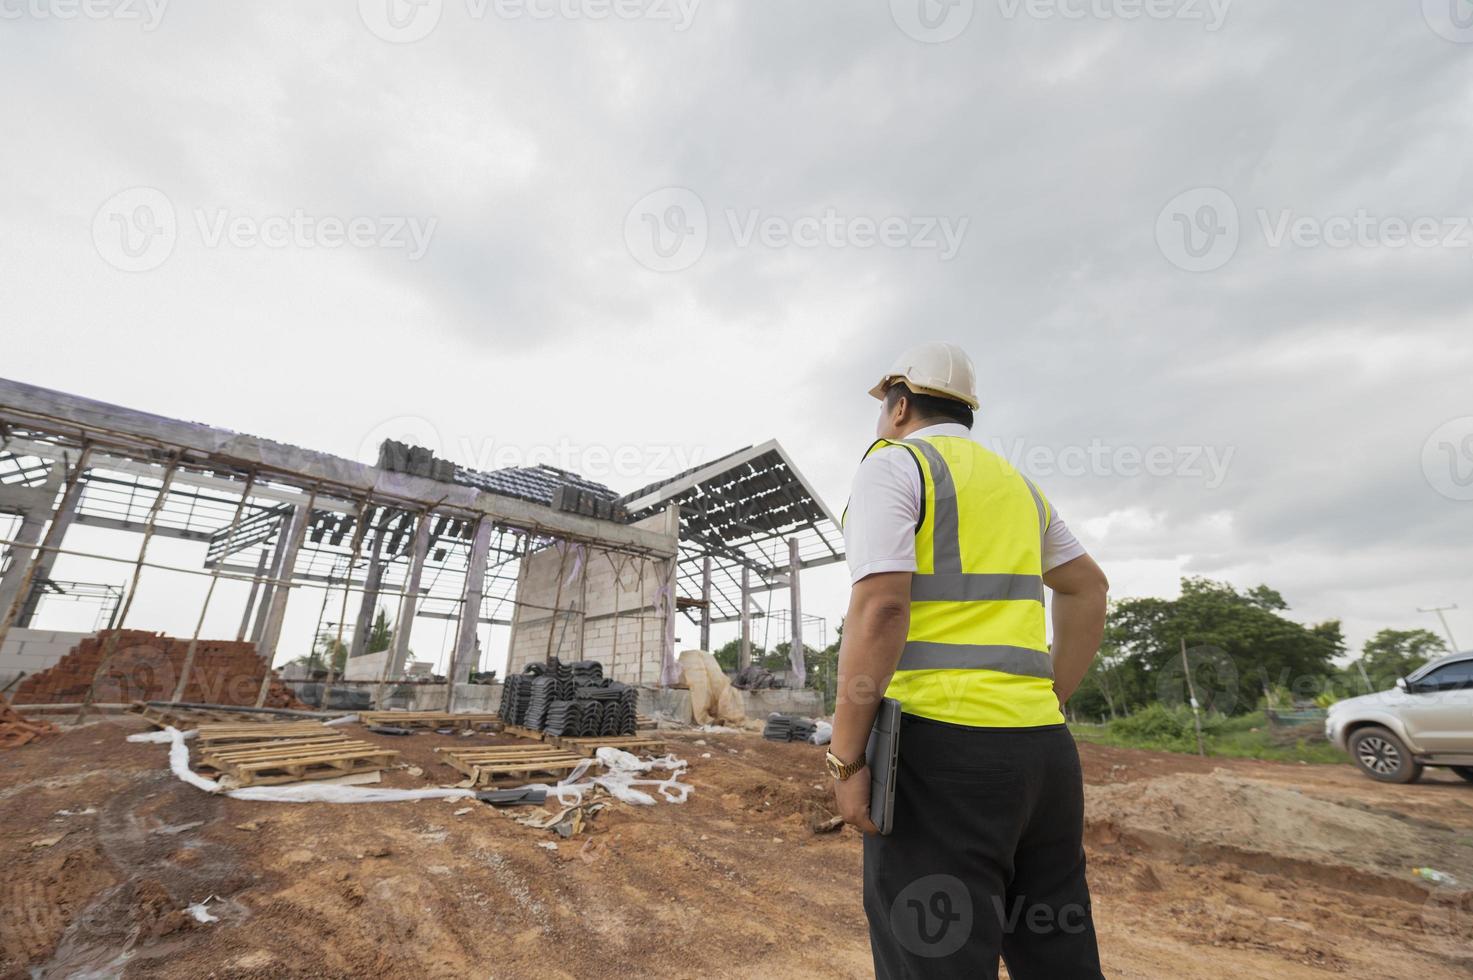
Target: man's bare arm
{"x": 1080, "y": 589}
{"x": 874, "y": 636}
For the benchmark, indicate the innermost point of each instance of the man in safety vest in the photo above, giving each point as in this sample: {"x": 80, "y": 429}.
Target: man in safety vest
{"x": 950, "y": 549}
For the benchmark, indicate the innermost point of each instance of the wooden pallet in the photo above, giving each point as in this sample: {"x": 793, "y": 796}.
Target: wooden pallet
{"x": 521, "y": 732}
{"x": 261, "y": 732}
{"x": 185, "y": 719}
{"x": 290, "y": 762}
{"x": 588, "y": 744}
{"x": 492, "y": 764}
{"x": 218, "y": 749}
{"x": 429, "y": 719}
{"x": 645, "y": 721}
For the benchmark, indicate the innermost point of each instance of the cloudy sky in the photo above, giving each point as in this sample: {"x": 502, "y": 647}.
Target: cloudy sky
{"x": 1212, "y": 258}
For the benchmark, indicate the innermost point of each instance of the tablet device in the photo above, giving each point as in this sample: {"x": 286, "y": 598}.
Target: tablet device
{"x": 882, "y": 754}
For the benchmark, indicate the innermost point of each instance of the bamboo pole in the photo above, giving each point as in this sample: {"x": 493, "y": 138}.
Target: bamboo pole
{"x": 109, "y": 645}
{"x": 210, "y": 592}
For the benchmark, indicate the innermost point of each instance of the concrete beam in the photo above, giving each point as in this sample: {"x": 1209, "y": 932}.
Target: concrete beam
{"x": 114, "y": 428}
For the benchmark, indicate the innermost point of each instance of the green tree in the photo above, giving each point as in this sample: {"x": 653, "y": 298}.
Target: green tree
{"x": 1239, "y": 645}
{"x": 1396, "y": 653}
{"x": 380, "y": 635}
{"x": 729, "y": 652}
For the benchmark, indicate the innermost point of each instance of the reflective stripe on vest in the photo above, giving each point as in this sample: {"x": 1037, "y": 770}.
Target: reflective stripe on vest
{"x": 977, "y": 652}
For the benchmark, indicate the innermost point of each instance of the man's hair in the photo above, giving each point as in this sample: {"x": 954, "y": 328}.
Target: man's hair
{"x": 930, "y": 406}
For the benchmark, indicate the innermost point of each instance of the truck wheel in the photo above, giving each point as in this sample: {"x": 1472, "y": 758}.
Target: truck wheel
{"x": 1465, "y": 771}
{"x": 1383, "y": 756}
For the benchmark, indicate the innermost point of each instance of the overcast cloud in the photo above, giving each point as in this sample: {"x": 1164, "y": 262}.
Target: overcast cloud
{"x": 1212, "y": 260}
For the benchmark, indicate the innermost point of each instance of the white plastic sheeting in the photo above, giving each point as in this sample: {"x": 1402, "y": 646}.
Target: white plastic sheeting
{"x": 620, "y": 779}
{"x": 179, "y": 763}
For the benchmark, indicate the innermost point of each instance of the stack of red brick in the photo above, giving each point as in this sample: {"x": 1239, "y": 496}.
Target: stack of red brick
{"x": 136, "y": 665}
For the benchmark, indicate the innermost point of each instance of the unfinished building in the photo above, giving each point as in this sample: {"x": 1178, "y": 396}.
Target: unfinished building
{"x": 570, "y": 567}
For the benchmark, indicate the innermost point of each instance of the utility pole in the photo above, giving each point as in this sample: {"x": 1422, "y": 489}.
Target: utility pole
{"x": 1452, "y": 643}
{"x": 1192, "y": 694}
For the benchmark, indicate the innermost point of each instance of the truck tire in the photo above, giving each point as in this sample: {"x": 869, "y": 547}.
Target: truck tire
{"x": 1465, "y": 771}
{"x": 1383, "y": 756}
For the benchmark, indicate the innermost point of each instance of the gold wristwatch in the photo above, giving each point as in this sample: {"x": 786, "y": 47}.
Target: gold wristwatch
{"x": 840, "y": 769}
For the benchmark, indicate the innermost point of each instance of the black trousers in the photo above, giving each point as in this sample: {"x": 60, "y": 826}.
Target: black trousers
{"x": 986, "y": 858}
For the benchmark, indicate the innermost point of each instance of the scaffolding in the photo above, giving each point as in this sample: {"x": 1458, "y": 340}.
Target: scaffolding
{"x": 280, "y": 519}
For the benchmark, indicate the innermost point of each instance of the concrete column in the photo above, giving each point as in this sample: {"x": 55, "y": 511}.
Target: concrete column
{"x": 706, "y": 604}
{"x": 245, "y": 619}
{"x": 276, "y": 609}
{"x": 268, "y": 587}
{"x": 670, "y": 672}
{"x": 410, "y": 605}
{"x": 32, "y": 521}
{"x": 795, "y": 652}
{"x": 363, "y": 625}
{"x": 744, "y": 655}
{"x": 470, "y": 612}
{"x": 52, "y": 540}
{"x": 27, "y": 536}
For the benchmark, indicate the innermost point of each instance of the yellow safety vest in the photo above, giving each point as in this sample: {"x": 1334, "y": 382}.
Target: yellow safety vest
{"x": 977, "y": 650}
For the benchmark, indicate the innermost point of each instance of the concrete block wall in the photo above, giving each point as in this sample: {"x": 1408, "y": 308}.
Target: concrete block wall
{"x": 32, "y": 651}
{"x": 594, "y": 585}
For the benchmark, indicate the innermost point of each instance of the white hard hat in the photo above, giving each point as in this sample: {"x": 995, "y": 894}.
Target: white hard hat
{"x": 938, "y": 369}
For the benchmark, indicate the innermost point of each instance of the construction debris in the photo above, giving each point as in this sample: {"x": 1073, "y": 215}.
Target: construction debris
{"x": 788, "y": 728}
{"x": 493, "y": 764}
{"x": 16, "y": 730}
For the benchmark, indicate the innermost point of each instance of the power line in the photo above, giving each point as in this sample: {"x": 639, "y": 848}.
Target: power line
{"x": 1452, "y": 643}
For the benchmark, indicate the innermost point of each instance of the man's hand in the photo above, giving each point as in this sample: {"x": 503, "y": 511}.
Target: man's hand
{"x": 852, "y": 795}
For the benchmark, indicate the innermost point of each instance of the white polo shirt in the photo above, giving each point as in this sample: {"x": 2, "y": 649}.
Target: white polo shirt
{"x": 885, "y": 506}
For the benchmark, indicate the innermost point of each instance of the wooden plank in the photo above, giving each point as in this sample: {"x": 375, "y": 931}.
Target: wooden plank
{"x": 267, "y": 776}
{"x": 319, "y": 753}
{"x": 274, "y": 743}
{"x": 501, "y": 751}
{"x": 587, "y": 745}
{"x": 521, "y": 732}
{"x": 260, "y": 732}
{"x": 429, "y": 719}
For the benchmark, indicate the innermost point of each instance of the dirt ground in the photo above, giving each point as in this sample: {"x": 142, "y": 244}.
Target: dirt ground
{"x": 1199, "y": 869}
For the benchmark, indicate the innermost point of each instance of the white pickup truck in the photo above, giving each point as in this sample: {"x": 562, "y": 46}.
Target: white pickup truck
{"x": 1426, "y": 720}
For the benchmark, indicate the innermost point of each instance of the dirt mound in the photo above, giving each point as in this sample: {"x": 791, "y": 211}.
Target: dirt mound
{"x": 1262, "y": 825}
